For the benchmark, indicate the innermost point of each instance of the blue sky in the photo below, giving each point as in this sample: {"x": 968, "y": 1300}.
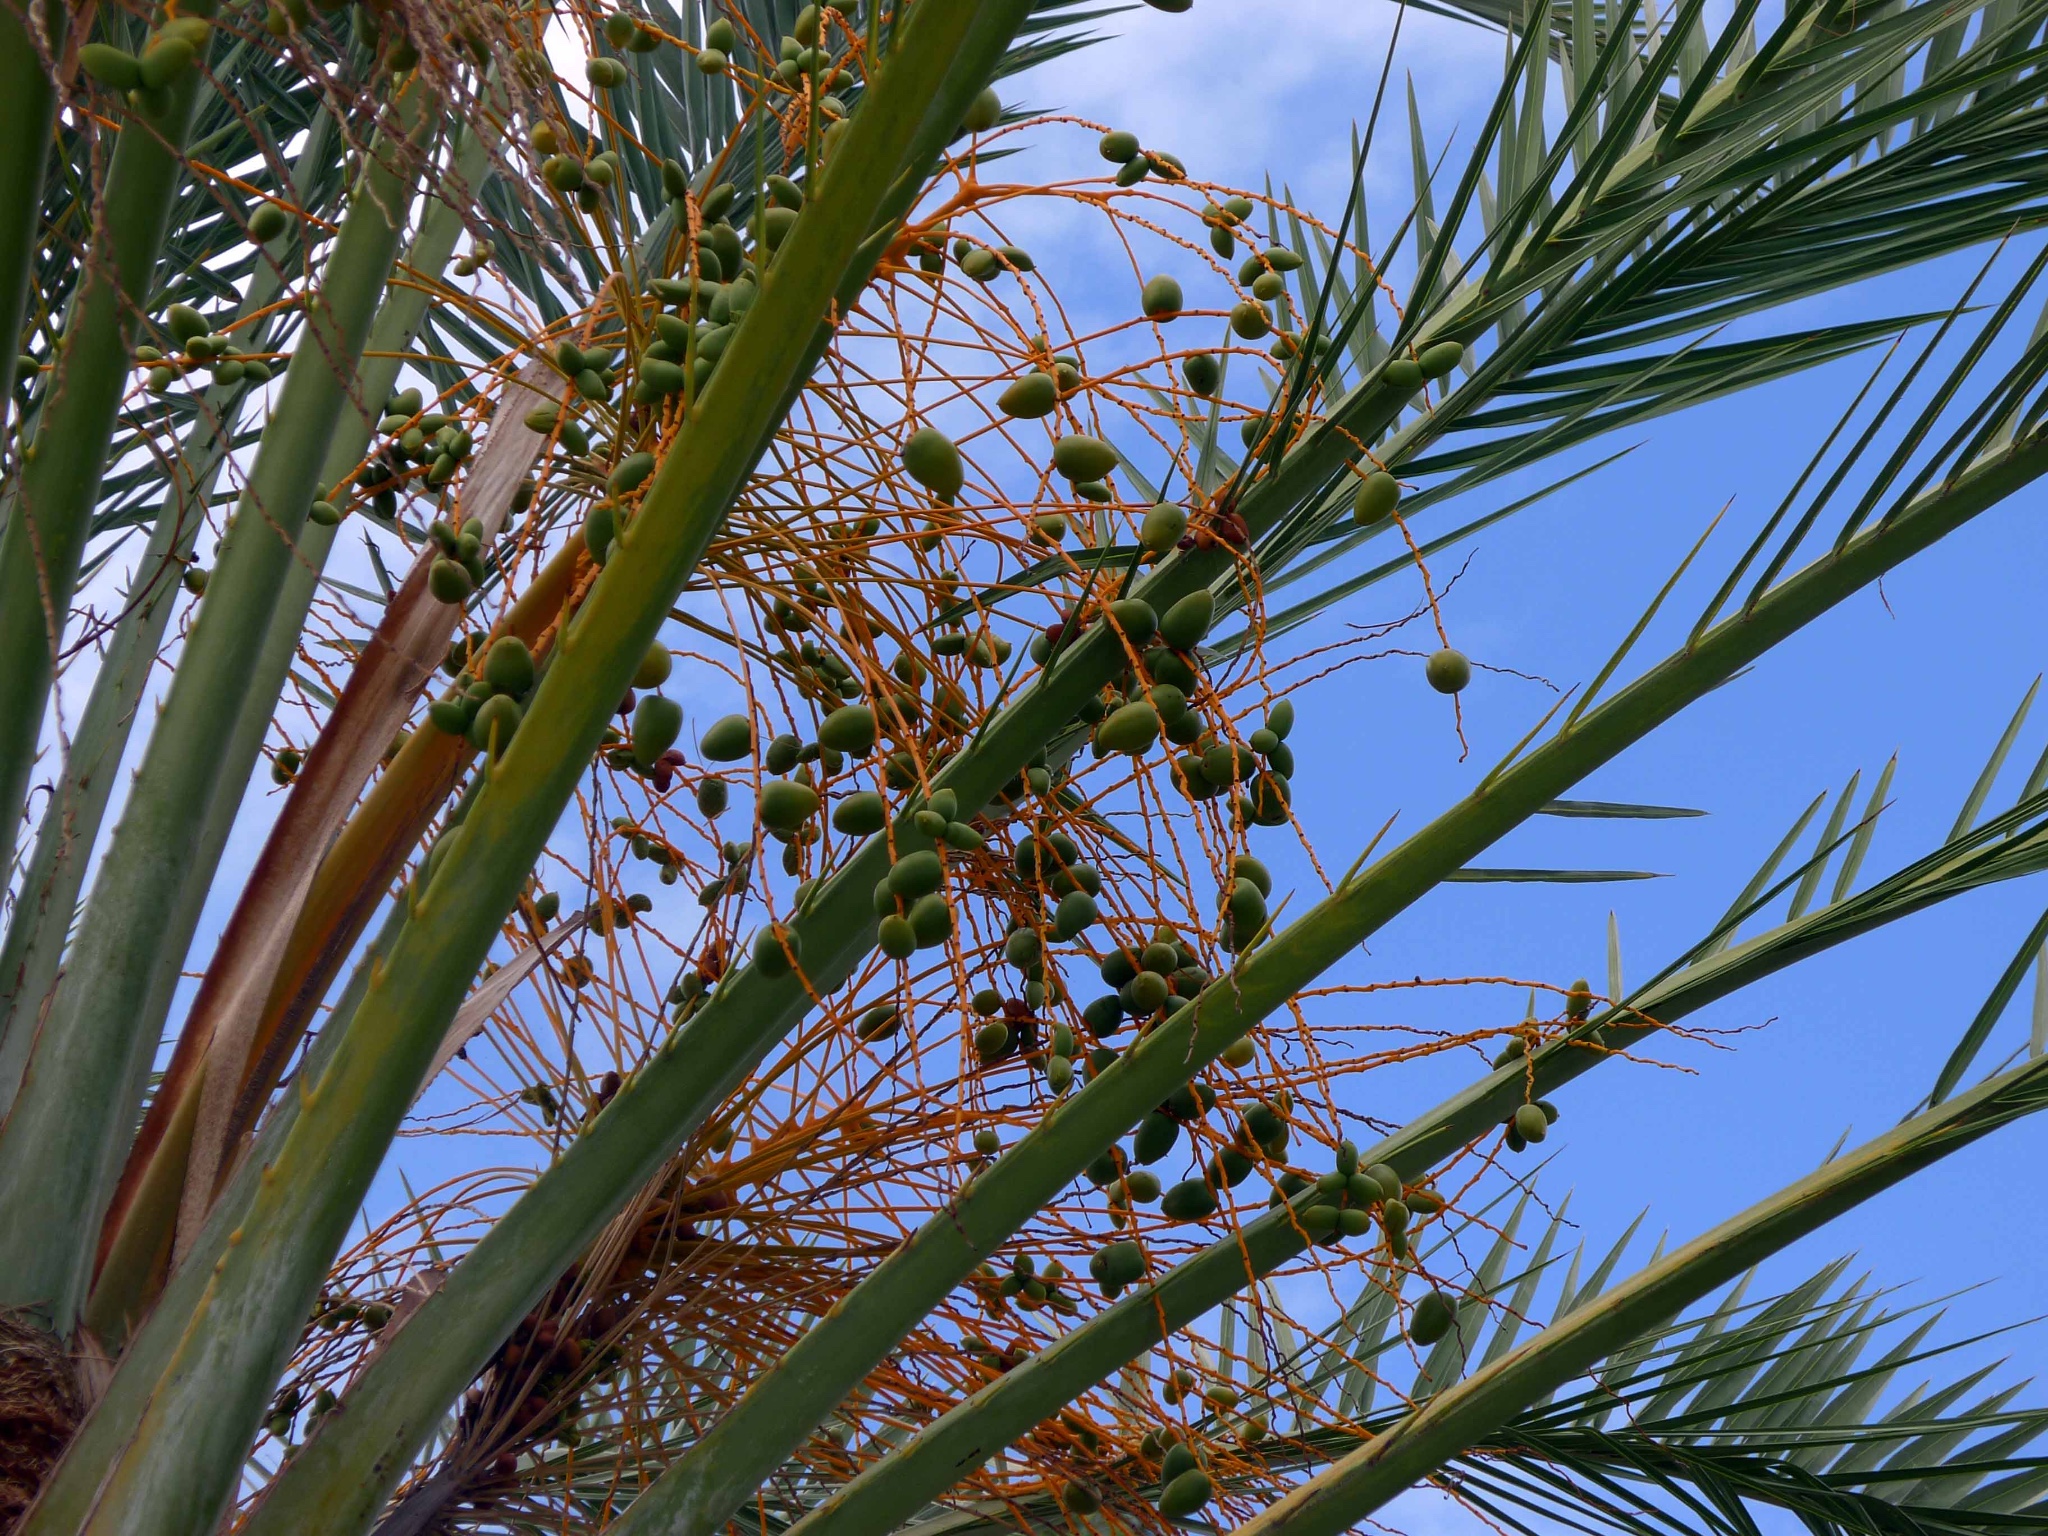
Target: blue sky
{"x": 1930, "y": 667}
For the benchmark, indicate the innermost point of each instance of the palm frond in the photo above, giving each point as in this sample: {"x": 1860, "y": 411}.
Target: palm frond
{"x": 1678, "y": 252}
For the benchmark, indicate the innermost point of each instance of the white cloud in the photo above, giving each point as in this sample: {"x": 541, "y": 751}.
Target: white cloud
{"x": 1244, "y": 90}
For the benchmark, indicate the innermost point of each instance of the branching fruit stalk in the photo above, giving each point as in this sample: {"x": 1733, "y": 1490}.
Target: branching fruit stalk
{"x": 191, "y": 1437}
{"x": 919, "y": 1471}
{"x": 725, "y": 1465}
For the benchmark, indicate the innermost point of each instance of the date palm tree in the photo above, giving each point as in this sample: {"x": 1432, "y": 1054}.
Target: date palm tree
{"x": 475, "y": 383}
